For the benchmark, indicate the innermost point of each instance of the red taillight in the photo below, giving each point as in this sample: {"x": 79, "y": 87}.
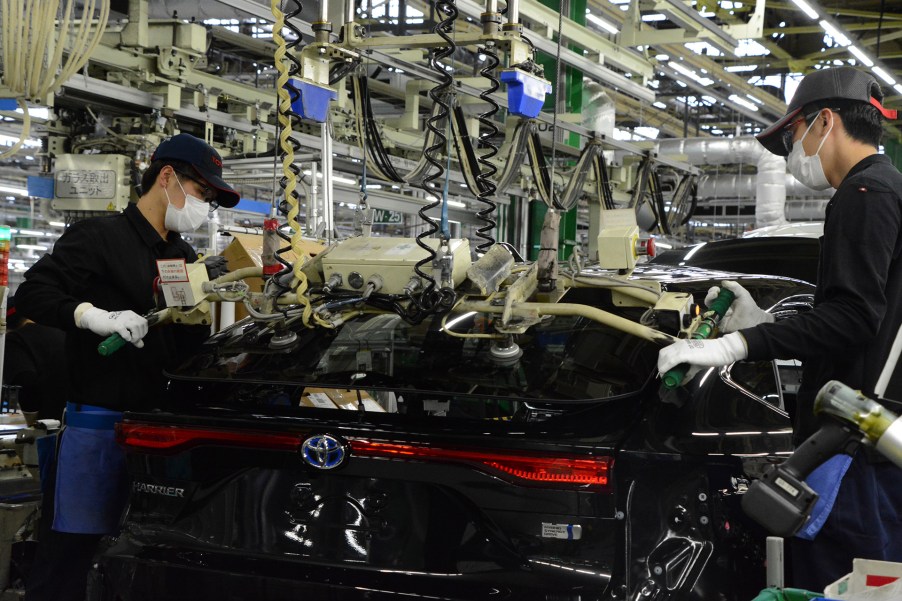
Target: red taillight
{"x": 544, "y": 469}
{"x": 550, "y": 469}
{"x": 177, "y": 438}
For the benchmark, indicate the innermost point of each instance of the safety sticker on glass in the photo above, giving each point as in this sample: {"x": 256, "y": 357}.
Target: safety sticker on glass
{"x": 565, "y": 531}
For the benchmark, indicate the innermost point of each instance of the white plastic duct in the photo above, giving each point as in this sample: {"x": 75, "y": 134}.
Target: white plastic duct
{"x": 770, "y": 183}
{"x": 743, "y": 186}
{"x": 598, "y": 110}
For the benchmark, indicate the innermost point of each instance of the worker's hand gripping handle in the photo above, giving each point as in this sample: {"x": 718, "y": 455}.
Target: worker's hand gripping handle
{"x": 706, "y": 327}
{"x": 114, "y": 342}
{"x": 110, "y": 345}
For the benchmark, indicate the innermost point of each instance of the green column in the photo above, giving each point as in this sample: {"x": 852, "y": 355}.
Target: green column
{"x": 893, "y": 150}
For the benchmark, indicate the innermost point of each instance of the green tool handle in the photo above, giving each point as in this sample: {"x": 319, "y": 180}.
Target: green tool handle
{"x": 715, "y": 313}
{"x": 114, "y": 342}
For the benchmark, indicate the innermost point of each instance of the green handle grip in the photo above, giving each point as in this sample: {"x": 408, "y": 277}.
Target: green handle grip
{"x": 115, "y": 342}
{"x": 722, "y": 302}
{"x": 674, "y": 377}
{"x": 111, "y": 345}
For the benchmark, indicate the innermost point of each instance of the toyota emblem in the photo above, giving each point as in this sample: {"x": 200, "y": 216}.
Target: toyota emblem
{"x": 323, "y": 452}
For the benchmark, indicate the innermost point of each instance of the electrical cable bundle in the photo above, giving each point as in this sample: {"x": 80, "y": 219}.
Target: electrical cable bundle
{"x": 33, "y": 64}
{"x": 434, "y": 299}
{"x": 288, "y": 182}
{"x": 487, "y": 170}
{"x": 603, "y": 182}
{"x": 657, "y": 203}
{"x": 684, "y": 201}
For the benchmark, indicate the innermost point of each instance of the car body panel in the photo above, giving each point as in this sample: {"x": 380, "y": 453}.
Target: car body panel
{"x": 787, "y": 256}
{"x": 450, "y": 512}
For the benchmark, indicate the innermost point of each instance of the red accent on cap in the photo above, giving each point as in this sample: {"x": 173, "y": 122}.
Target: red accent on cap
{"x": 11, "y": 311}
{"x": 891, "y": 114}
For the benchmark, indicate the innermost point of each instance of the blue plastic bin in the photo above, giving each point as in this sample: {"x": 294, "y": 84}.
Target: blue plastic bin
{"x": 525, "y": 92}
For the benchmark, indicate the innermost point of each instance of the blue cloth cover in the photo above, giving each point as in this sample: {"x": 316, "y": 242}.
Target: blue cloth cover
{"x": 825, "y": 481}
{"x": 91, "y": 479}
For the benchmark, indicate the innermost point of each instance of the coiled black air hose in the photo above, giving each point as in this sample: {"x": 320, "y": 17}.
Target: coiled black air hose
{"x": 485, "y": 179}
{"x": 434, "y": 298}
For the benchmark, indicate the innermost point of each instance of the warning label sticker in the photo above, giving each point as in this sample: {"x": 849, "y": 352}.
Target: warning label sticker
{"x": 565, "y": 531}
{"x": 172, "y": 270}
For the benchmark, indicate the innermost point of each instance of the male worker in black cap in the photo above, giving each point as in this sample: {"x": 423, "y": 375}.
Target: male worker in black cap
{"x": 98, "y": 281}
{"x": 830, "y": 134}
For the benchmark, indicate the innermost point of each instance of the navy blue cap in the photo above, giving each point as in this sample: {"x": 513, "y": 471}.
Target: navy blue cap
{"x": 205, "y": 161}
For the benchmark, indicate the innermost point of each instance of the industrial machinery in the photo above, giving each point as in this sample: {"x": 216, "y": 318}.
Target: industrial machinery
{"x": 781, "y": 501}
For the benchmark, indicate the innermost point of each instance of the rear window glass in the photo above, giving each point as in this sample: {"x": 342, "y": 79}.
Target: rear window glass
{"x": 563, "y": 358}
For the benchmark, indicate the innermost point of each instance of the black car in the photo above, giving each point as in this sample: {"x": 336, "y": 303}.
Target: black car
{"x": 788, "y": 256}
{"x": 385, "y": 460}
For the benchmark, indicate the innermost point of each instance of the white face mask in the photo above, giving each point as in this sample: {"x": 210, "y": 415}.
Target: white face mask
{"x": 808, "y": 169}
{"x": 188, "y": 218}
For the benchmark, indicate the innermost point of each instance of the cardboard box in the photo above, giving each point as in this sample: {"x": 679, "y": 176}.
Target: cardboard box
{"x": 870, "y": 580}
{"x": 338, "y": 398}
{"x": 246, "y": 250}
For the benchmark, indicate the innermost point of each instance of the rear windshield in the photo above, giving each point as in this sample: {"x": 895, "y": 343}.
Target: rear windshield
{"x": 562, "y": 358}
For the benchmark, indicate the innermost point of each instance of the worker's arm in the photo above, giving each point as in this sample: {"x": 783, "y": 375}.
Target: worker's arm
{"x": 859, "y": 246}
{"x": 60, "y": 281}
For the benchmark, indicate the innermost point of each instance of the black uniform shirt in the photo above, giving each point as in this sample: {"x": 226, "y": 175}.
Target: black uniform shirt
{"x": 35, "y": 360}
{"x": 110, "y": 262}
{"x": 858, "y": 301}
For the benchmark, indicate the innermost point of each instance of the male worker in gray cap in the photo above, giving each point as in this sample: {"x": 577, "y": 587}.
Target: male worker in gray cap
{"x": 830, "y": 136}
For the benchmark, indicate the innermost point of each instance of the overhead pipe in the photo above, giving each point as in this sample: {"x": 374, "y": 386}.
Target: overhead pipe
{"x": 736, "y": 185}
{"x": 770, "y": 182}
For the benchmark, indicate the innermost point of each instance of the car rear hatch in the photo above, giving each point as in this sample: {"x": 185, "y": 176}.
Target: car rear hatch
{"x": 394, "y": 452}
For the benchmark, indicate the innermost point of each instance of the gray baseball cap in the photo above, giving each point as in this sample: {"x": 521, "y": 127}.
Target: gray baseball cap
{"x": 845, "y": 83}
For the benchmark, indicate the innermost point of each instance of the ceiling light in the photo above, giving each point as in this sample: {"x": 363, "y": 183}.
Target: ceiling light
{"x": 31, "y": 233}
{"x": 344, "y": 180}
{"x": 861, "y": 56}
{"x": 754, "y": 99}
{"x": 834, "y": 33}
{"x": 456, "y": 203}
{"x": 660, "y": 105}
{"x": 57, "y": 223}
{"x": 742, "y": 102}
{"x": 14, "y": 190}
{"x": 31, "y": 247}
{"x": 602, "y": 23}
{"x": 740, "y": 68}
{"x": 898, "y": 88}
{"x": 653, "y": 17}
{"x": 690, "y": 74}
{"x": 884, "y": 75}
{"x": 806, "y": 8}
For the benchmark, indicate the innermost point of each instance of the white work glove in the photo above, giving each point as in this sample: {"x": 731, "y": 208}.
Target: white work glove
{"x": 743, "y": 313}
{"x": 128, "y": 324}
{"x": 702, "y": 353}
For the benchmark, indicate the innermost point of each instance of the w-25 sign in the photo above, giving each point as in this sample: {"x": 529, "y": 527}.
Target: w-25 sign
{"x": 384, "y": 216}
